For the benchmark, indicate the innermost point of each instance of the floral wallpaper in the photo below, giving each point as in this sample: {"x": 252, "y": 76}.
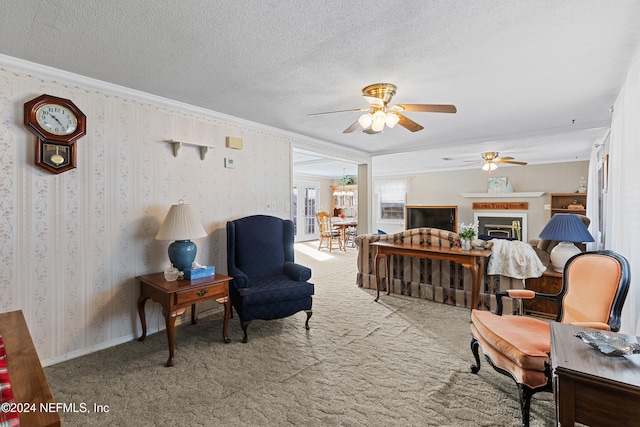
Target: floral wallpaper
{"x": 71, "y": 244}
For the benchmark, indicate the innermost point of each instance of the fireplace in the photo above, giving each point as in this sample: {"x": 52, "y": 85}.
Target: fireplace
{"x": 502, "y": 224}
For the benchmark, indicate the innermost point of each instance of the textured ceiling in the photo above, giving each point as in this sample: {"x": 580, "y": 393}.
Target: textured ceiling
{"x": 531, "y": 79}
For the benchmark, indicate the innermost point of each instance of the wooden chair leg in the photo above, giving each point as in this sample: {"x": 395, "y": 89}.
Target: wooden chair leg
{"x": 525, "y": 394}
{"x": 306, "y": 324}
{"x": 474, "y": 349}
{"x": 244, "y": 330}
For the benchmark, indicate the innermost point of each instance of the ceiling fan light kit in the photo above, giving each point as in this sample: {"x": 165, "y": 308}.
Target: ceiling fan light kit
{"x": 392, "y": 120}
{"x": 365, "y": 120}
{"x": 491, "y": 158}
{"x": 377, "y": 120}
{"x": 379, "y": 113}
{"x": 489, "y": 166}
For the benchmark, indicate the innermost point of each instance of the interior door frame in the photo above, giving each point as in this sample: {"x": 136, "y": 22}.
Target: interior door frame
{"x": 299, "y": 216}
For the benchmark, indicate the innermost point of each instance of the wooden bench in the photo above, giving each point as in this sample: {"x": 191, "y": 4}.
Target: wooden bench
{"x": 28, "y": 382}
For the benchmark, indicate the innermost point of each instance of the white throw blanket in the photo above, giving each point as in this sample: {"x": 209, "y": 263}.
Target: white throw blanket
{"x": 513, "y": 258}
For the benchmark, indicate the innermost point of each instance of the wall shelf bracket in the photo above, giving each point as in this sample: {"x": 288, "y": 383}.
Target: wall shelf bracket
{"x": 175, "y": 145}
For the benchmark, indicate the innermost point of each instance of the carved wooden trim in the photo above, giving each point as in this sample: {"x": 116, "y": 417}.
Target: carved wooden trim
{"x": 501, "y": 206}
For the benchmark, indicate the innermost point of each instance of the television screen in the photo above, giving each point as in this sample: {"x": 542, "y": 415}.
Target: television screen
{"x": 442, "y": 217}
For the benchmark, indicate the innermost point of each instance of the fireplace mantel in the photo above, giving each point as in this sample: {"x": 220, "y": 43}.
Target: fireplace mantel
{"x": 503, "y": 195}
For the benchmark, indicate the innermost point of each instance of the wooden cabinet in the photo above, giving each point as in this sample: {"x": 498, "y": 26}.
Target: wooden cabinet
{"x": 575, "y": 203}
{"x": 344, "y": 200}
{"x": 549, "y": 283}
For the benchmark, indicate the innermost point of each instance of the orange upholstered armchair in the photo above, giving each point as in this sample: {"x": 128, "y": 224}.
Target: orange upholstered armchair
{"x": 594, "y": 287}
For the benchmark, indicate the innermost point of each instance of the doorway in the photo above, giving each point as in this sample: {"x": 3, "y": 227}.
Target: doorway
{"x": 305, "y": 196}
{"x": 322, "y": 171}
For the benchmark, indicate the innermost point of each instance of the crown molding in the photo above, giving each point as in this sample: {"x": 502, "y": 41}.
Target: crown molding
{"x": 32, "y": 70}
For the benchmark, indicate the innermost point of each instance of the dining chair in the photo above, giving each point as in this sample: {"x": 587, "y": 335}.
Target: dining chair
{"x": 352, "y": 233}
{"x": 328, "y": 234}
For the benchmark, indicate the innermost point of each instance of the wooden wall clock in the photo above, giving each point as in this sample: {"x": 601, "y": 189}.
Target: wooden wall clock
{"x": 57, "y": 124}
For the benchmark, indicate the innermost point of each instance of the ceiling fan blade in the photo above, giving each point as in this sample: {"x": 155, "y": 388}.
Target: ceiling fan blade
{"x": 409, "y": 124}
{"x": 338, "y": 111}
{"x": 510, "y": 162}
{"x": 353, "y": 127}
{"x": 502, "y": 159}
{"x": 429, "y": 108}
{"x": 372, "y": 100}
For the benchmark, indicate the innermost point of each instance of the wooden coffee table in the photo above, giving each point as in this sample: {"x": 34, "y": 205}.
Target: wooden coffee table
{"x": 176, "y": 296}
{"x": 590, "y": 387}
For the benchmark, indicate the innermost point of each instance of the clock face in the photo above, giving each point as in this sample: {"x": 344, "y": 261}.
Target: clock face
{"x": 56, "y": 119}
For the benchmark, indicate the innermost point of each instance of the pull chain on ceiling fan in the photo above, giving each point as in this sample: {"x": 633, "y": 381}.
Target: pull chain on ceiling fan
{"x": 379, "y": 113}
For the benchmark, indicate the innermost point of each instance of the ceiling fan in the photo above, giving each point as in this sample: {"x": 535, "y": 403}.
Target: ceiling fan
{"x": 379, "y": 113}
{"x": 491, "y": 158}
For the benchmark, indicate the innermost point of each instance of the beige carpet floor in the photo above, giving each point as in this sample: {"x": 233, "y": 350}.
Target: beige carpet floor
{"x": 399, "y": 362}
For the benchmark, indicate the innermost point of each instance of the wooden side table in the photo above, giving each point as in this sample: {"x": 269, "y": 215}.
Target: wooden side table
{"x": 176, "y": 296}
{"x": 590, "y": 387}
{"x": 549, "y": 283}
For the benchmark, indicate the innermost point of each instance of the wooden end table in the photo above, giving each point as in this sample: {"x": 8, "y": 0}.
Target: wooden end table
{"x": 176, "y": 296}
{"x": 590, "y": 387}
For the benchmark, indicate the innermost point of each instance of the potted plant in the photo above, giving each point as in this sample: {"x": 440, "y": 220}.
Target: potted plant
{"x": 467, "y": 233}
{"x": 346, "y": 180}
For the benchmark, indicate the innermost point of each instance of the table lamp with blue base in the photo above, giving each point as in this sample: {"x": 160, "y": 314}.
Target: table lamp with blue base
{"x": 181, "y": 224}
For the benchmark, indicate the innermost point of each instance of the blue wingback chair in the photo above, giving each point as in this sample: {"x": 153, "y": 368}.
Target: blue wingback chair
{"x": 267, "y": 284}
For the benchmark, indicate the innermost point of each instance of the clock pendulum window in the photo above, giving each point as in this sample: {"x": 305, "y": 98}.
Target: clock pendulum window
{"x": 57, "y": 124}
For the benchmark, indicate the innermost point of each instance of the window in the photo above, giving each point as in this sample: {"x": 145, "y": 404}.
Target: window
{"x": 391, "y": 200}
{"x": 392, "y": 206}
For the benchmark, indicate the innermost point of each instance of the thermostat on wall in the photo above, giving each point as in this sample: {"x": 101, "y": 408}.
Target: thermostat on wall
{"x": 228, "y": 163}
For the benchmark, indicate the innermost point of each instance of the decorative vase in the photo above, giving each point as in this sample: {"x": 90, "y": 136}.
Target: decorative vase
{"x": 465, "y": 244}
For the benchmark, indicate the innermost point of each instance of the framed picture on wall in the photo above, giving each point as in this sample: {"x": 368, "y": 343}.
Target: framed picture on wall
{"x": 497, "y": 185}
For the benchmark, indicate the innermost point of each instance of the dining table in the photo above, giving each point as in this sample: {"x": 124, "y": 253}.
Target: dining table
{"x": 343, "y": 225}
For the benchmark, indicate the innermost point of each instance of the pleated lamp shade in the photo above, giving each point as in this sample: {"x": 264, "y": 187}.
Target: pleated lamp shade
{"x": 181, "y": 223}
{"x": 565, "y": 228}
